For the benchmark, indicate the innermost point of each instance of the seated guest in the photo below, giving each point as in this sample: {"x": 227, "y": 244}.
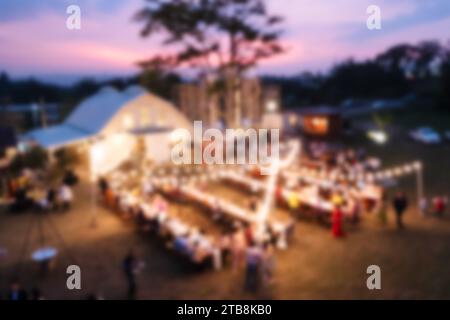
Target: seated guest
{"x": 181, "y": 244}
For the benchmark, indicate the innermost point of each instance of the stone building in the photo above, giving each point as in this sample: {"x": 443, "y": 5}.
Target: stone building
{"x": 226, "y": 107}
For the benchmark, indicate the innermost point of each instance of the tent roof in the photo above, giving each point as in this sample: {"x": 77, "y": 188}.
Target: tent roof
{"x": 94, "y": 113}
{"x": 56, "y": 136}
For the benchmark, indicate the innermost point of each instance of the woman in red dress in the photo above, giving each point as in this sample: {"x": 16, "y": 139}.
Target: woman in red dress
{"x": 336, "y": 219}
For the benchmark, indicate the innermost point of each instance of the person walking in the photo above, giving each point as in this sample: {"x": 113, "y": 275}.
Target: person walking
{"x": 252, "y": 271}
{"x": 400, "y": 204}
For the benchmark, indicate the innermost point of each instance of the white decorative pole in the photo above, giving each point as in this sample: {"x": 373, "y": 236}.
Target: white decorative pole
{"x": 420, "y": 188}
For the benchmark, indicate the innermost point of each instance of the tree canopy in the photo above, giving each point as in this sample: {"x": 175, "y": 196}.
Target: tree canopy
{"x": 211, "y": 35}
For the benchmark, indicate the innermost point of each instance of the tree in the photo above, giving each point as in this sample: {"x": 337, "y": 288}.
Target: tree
{"x": 34, "y": 158}
{"x": 159, "y": 81}
{"x": 366, "y": 79}
{"x": 218, "y": 38}
{"x": 413, "y": 61}
{"x": 444, "y": 86}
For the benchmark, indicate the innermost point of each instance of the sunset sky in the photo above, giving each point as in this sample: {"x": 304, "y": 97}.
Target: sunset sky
{"x": 34, "y": 39}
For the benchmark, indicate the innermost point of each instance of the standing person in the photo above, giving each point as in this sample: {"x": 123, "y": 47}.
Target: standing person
{"x": 439, "y": 206}
{"x": 337, "y": 222}
{"x": 66, "y": 196}
{"x": 129, "y": 268}
{"x": 400, "y": 204}
{"x": 252, "y": 271}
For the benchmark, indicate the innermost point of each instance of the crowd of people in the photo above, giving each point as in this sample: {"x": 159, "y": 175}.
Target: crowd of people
{"x": 436, "y": 206}
{"x": 26, "y": 194}
{"x": 60, "y": 198}
{"x": 151, "y": 213}
{"x": 238, "y": 247}
{"x": 344, "y": 161}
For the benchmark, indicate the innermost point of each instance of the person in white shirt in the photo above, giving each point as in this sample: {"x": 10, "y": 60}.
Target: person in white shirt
{"x": 66, "y": 196}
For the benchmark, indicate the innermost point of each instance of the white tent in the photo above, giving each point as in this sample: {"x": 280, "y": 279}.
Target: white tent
{"x": 108, "y": 122}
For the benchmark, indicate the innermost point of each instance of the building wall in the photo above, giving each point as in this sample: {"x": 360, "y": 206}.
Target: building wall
{"x": 108, "y": 153}
{"x": 158, "y": 147}
{"x": 240, "y": 108}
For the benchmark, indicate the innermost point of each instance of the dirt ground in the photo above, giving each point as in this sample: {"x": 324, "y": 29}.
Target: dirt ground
{"x": 414, "y": 262}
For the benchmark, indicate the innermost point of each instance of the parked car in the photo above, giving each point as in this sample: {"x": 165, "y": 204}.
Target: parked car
{"x": 425, "y": 135}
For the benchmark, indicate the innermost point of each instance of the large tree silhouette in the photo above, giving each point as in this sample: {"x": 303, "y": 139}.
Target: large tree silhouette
{"x": 217, "y": 38}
